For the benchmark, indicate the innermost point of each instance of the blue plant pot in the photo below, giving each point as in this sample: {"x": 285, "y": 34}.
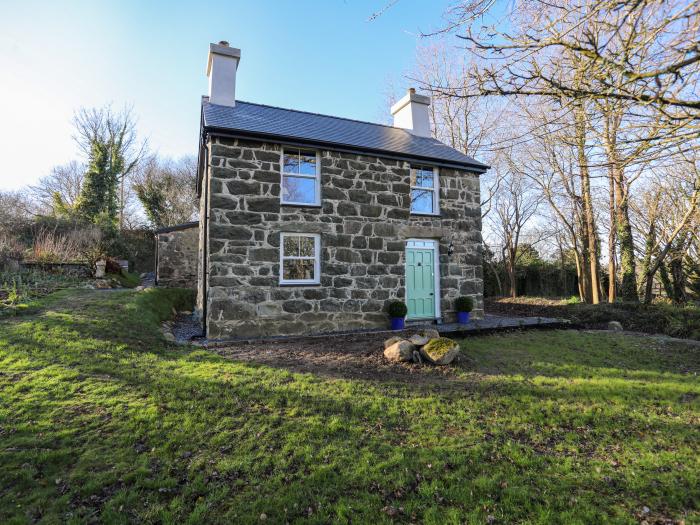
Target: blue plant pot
{"x": 397, "y": 323}
{"x": 462, "y": 317}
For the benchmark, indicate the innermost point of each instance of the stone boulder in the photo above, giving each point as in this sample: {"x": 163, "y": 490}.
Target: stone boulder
{"x": 421, "y": 338}
{"x": 440, "y": 351}
{"x": 615, "y": 326}
{"x": 401, "y": 350}
{"x": 391, "y": 341}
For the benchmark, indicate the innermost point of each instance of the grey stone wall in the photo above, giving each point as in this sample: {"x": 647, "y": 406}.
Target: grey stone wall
{"x": 178, "y": 258}
{"x": 364, "y": 222}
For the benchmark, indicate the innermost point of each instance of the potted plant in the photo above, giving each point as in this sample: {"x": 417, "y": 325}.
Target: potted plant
{"x": 464, "y": 306}
{"x": 397, "y": 311}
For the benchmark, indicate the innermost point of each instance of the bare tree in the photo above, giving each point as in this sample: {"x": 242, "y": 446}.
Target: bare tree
{"x": 515, "y": 205}
{"x": 59, "y": 190}
{"x": 669, "y": 208}
{"x": 467, "y": 125}
{"x": 652, "y": 47}
{"x": 16, "y": 210}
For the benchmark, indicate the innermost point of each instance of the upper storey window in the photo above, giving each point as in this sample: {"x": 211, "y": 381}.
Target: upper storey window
{"x": 300, "y": 177}
{"x": 424, "y": 190}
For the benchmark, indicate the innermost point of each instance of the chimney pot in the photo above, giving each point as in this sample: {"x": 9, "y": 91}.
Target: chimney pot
{"x": 223, "y": 43}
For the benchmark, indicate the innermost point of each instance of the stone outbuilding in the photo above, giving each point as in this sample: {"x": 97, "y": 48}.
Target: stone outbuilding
{"x": 312, "y": 223}
{"x": 177, "y": 255}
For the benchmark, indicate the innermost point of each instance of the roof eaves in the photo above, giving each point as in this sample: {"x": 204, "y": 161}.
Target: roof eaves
{"x": 177, "y": 227}
{"x": 475, "y": 166}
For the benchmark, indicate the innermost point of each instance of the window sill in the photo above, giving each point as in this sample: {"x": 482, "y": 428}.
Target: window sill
{"x": 300, "y": 205}
{"x": 302, "y": 283}
{"x": 419, "y": 214}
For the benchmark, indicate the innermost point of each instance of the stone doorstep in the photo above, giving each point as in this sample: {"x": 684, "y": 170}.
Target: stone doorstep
{"x": 490, "y": 324}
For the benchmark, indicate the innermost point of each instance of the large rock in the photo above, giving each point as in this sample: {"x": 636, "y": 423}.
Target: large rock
{"x": 391, "y": 341}
{"x": 400, "y": 351}
{"x": 615, "y": 326}
{"x": 440, "y": 351}
{"x": 421, "y": 338}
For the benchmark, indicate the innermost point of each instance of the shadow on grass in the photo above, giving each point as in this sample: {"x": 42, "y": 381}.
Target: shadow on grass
{"x": 162, "y": 430}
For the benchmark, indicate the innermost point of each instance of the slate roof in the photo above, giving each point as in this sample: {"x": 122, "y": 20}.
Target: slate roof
{"x": 258, "y": 120}
{"x": 177, "y": 227}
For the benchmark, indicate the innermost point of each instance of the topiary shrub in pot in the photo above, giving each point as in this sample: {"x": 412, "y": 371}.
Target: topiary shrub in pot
{"x": 464, "y": 305}
{"x": 397, "y": 311}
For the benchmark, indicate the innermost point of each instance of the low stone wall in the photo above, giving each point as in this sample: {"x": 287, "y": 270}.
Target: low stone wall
{"x": 177, "y": 256}
{"x": 71, "y": 269}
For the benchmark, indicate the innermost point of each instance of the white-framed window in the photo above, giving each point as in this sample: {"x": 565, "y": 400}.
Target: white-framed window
{"x": 425, "y": 190}
{"x": 301, "y": 174}
{"x": 300, "y": 258}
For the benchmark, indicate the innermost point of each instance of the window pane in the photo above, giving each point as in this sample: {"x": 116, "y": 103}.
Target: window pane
{"x": 307, "y": 164}
{"x": 291, "y": 246}
{"x": 291, "y": 162}
{"x": 296, "y": 189}
{"x": 307, "y": 246}
{"x": 423, "y": 178}
{"x": 298, "y": 269}
{"x": 422, "y": 201}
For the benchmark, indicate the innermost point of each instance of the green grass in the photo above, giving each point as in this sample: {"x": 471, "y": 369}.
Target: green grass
{"x": 19, "y": 289}
{"x": 126, "y": 279}
{"x": 101, "y": 420}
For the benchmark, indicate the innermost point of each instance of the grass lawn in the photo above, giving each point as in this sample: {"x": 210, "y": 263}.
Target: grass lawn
{"x": 101, "y": 420}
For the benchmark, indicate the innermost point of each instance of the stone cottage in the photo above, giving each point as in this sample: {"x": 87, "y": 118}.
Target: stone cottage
{"x": 312, "y": 223}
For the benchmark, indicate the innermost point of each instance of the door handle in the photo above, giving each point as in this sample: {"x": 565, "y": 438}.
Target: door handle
{"x": 431, "y": 293}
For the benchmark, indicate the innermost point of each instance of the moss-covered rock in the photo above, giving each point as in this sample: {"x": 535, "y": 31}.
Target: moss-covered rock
{"x": 440, "y": 351}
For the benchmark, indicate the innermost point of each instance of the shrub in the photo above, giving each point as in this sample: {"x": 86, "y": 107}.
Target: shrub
{"x": 464, "y": 304}
{"x": 397, "y": 309}
{"x": 50, "y": 247}
{"x": 10, "y": 250}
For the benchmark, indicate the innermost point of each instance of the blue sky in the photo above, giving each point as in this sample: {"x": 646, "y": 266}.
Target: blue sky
{"x": 322, "y": 56}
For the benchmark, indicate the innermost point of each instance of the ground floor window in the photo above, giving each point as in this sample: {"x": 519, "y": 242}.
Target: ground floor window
{"x": 300, "y": 258}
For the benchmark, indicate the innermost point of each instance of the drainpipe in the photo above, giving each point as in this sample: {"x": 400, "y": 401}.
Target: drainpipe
{"x": 205, "y": 225}
{"x": 157, "y": 257}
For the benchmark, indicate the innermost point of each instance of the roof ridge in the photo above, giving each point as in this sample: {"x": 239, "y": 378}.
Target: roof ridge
{"x": 331, "y": 116}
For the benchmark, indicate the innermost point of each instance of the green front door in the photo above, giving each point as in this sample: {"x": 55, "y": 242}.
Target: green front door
{"x": 420, "y": 283}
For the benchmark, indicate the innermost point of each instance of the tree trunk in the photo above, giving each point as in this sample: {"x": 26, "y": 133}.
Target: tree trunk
{"x": 612, "y": 263}
{"x": 511, "y": 275}
{"x": 121, "y": 205}
{"x": 646, "y": 262}
{"x": 588, "y": 213}
{"x": 580, "y": 284}
{"x": 666, "y": 281}
{"x": 628, "y": 287}
{"x": 678, "y": 279}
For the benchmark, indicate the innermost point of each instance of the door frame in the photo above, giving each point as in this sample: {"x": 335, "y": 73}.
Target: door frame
{"x": 428, "y": 244}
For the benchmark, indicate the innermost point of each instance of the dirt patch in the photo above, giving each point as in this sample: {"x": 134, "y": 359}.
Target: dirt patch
{"x": 347, "y": 357}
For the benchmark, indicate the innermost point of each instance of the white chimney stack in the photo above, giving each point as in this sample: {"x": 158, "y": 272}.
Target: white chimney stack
{"x": 411, "y": 113}
{"x": 221, "y": 70}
